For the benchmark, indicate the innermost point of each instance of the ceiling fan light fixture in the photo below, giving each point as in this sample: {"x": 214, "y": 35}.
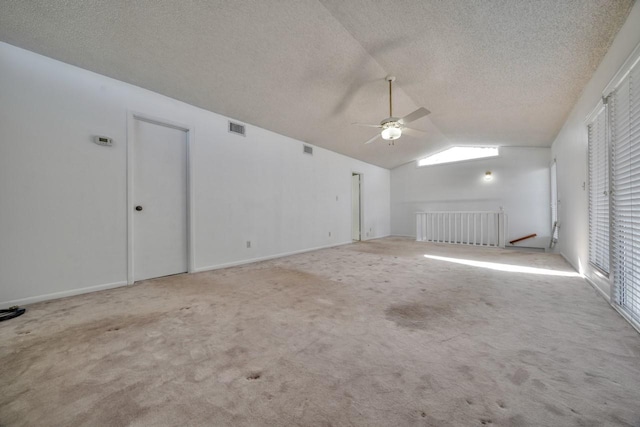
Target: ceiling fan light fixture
{"x": 392, "y": 127}
{"x": 390, "y": 133}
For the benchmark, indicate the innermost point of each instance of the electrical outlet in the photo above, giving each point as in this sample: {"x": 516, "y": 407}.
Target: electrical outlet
{"x": 248, "y": 243}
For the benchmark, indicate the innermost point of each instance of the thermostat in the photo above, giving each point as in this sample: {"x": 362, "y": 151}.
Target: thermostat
{"x": 103, "y": 140}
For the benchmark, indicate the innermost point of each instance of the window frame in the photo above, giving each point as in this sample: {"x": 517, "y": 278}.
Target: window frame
{"x": 599, "y": 112}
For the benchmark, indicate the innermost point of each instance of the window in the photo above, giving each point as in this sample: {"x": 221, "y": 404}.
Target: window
{"x": 624, "y": 124}
{"x": 599, "y": 191}
{"x": 458, "y": 154}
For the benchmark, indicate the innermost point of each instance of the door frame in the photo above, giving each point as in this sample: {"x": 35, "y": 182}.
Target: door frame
{"x": 360, "y": 208}
{"x": 132, "y": 116}
{"x": 553, "y": 179}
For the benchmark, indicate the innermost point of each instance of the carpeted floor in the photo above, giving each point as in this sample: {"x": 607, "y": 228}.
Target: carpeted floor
{"x": 369, "y": 334}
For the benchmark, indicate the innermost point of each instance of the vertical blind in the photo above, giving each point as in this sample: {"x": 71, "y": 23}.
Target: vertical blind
{"x": 625, "y": 186}
{"x": 599, "y": 192}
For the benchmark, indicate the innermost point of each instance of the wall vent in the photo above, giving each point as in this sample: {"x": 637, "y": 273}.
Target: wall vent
{"x": 237, "y": 128}
{"x": 307, "y": 149}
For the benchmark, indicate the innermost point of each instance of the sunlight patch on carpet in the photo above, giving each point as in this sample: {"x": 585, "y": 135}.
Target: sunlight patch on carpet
{"x": 505, "y": 267}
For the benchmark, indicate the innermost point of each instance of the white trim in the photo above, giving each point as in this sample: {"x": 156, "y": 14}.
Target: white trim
{"x": 374, "y": 238}
{"x": 626, "y": 317}
{"x": 130, "y": 119}
{"x": 553, "y": 176}
{"x": 61, "y": 294}
{"x": 364, "y": 234}
{"x": 89, "y": 289}
{"x": 570, "y": 263}
{"x": 190, "y": 135}
{"x": 594, "y": 113}
{"x": 191, "y": 200}
{"x": 366, "y": 239}
{"x": 268, "y": 257}
{"x": 604, "y": 295}
{"x": 623, "y": 71}
{"x": 622, "y": 313}
{"x": 361, "y": 207}
{"x": 597, "y": 288}
{"x": 379, "y": 237}
{"x": 457, "y": 212}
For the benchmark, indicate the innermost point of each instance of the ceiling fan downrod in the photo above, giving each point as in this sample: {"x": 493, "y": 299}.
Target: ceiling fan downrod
{"x": 390, "y": 79}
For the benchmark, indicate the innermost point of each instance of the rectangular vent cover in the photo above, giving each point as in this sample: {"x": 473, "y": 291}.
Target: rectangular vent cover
{"x": 236, "y": 128}
{"x": 308, "y": 150}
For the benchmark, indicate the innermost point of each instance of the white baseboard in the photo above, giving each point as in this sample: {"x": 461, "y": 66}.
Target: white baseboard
{"x": 589, "y": 281}
{"x": 413, "y": 236}
{"x": 587, "y": 278}
{"x": 61, "y": 294}
{"x": 265, "y": 258}
{"x": 375, "y": 238}
{"x": 597, "y": 288}
{"x": 626, "y": 317}
{"x": 604, "y": 295}
{"x": 71, "y": 292}
{"x": 569, "y": 262}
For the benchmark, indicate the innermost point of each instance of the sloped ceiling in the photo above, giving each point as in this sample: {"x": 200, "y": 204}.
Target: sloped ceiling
{"x": 494, "y": 72}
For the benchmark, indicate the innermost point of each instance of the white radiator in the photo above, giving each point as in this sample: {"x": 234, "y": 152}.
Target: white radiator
{"x": 487, "y": 228}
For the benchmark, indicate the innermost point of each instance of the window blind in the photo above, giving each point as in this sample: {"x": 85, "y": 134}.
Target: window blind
{"x": 625, "y": 197}
{"x": 599, "y": 192}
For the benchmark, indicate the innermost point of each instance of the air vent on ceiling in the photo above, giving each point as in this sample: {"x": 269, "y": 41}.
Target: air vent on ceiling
{"x": 237, "y": 128}
{"x": 307, "y": 149}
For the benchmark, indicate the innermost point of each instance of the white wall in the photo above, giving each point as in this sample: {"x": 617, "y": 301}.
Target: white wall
{"x": 520, "y": 186}
{"x": 570, "y": 151}
{"x": 63, "y": 207}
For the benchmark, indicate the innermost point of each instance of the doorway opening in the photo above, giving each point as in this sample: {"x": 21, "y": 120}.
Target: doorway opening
{"x": 553, "y": 170}
{"x": 356, "y": 206}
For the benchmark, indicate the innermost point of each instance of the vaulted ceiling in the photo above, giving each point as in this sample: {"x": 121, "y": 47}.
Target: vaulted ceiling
{"x": 503, "y": 72}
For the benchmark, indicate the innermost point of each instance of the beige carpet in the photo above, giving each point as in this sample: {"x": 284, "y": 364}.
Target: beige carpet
{"x": 369, "y": 334}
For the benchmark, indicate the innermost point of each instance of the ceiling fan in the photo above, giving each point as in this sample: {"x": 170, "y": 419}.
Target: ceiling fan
{"x": 394, "y": 127}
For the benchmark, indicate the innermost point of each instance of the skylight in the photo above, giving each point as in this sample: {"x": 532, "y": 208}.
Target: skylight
{"x": 458, "y": 154}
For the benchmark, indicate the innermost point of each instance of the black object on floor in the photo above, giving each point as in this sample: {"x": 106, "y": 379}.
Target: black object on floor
{"x": 11, "y": 312}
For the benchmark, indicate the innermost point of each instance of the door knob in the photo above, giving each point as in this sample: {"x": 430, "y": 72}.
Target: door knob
{"x": 138, "y": 208}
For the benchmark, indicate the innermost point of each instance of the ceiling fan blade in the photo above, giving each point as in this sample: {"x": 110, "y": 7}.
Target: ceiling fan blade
{"x": 373, "y": 139}
{"x": 418, "y": 114}
{"x": 367, "y": 125}
{"x": 413, "y": 132}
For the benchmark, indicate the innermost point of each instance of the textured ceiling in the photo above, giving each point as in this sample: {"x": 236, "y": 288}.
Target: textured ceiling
{"x": 501, "y": 72}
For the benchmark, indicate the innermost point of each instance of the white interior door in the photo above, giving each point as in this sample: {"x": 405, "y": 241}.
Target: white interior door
{"x": 160, "y": 200}
{"x": 355, "y": 207}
